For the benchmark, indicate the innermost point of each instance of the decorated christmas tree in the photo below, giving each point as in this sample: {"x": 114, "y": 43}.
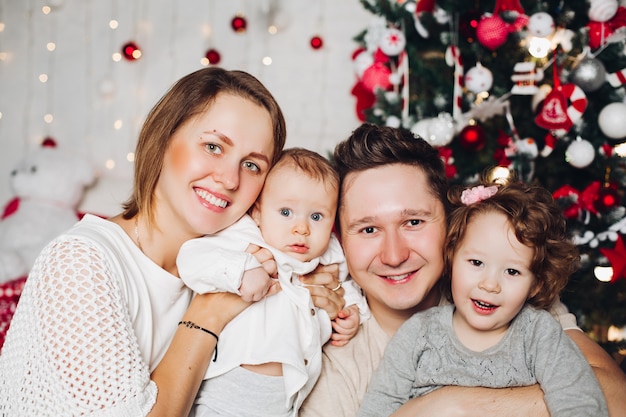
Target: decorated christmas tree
{"x": 533, "y": 89}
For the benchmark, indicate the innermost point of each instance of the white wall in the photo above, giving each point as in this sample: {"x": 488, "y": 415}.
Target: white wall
{"x": 312, "y": 86}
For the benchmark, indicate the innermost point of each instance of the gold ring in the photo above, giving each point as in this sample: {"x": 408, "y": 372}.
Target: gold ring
{"x": 337, "y": 287}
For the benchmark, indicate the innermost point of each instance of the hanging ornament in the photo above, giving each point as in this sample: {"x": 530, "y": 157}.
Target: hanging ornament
{"x": 606, "y": 199}
{"x": 580, "y": 153}
{"x": 316, "y": 42}
{"x": 239, "y": 24}
{"x": 601, "y": 33}
{"x": 571, "y": 197}
{"x": 541, "y": 24}
{"x": 525, "y": 76}
{"x": 612, "y": 120}
{"x": 492, "y": 32}
{"x": 213, "y": 56}
{"x": 478, "y": 79}
{"x": 392, "y": 42}
{"x": 377, "y": 76}
{"x": 562, "y": 107}
{"x": 468, "y": 24}
{"x": 602, "y": 10}
{"x": 131, "y": 51}
{"x": 445, "y": 153}
{"x": 423, "y": 6}
{"x": 472, "y": 137}
{"x": 438, "y": 131}
{"x": 617, "y": 257}
{"x": 589, "y": 74}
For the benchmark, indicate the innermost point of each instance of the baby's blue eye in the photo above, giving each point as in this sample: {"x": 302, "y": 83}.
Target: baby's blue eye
{"x": 316, "y": 217}
{"x": 285, "y": 212}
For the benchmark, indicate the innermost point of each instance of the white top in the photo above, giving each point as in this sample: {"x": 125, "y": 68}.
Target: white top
{"x": 95, "y": 318}
{"x": 285, "y": 327}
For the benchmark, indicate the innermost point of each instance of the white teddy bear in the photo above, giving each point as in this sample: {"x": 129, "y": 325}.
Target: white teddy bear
{"x": 48, "y": 185}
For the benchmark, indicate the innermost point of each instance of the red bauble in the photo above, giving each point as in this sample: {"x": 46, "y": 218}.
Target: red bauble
{"x": 239, "y": 24}
{"x": 131, "y": 51}
{"x": 492, "y": 32}
{"x": 316, "y": 42}
{"x": 472, "y": 138}
{"x": 213, "y": 56}
{"x": 376, "y": 76}
{"x": 606, "y": 199}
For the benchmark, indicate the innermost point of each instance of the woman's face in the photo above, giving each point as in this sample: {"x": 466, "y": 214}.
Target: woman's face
{"x": 392, "y": 230}
{"x": 214, "y": 167}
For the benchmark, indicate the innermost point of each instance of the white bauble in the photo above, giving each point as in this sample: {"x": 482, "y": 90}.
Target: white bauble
{"x": 580, "y": 153}
{"x": 478, "y": 79}
{"x": 392, "y": 42}
{"x": 541, "y": 24}
{"x": 440, "y": 130}
{"x": 602, "y": 10}
{"x": 612, "y": 120}
{"x": 421, "y": 128}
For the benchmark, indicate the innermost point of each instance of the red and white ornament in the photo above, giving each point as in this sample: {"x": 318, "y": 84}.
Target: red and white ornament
{"x": 562, "y": 107}
{"x": 617, "y": 78}
{"x": 392, "y": 42}
{"x": 478, "y": 79}
{"x": 453, "y": 58}
{"x": 525, "y": 76}
{"x": 602, "y": 10}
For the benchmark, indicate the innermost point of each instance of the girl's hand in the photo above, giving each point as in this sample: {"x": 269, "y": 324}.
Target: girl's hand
{"x": 265, "y": 258}
{"x": 345, "y": 326}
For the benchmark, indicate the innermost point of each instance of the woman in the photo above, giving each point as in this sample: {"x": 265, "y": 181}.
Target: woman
{"x": 104, "y": 325}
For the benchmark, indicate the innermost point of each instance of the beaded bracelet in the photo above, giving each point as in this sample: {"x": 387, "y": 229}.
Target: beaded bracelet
{"x": 192, "y": 325}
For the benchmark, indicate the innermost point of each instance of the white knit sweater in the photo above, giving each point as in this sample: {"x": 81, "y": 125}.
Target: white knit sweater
{"x": 95, "y": 317}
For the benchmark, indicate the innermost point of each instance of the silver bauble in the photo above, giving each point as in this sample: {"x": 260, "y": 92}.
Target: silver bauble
{"x": 589, "y": 74}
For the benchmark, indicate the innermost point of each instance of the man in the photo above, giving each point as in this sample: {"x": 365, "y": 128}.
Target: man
{"x": 392, "y": 222}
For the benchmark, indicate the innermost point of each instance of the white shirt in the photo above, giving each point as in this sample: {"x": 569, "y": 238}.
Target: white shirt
{"x": 95, "y": 318}
{"x": 285, "y": 327}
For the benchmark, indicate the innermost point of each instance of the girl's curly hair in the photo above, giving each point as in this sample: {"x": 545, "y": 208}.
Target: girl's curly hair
{"x": 538, "y": 223}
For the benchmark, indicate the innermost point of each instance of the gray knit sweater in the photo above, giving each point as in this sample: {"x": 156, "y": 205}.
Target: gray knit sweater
{"x": 425, "y": 354}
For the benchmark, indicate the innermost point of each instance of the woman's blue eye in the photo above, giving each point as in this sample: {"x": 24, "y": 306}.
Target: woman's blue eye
{"x": 251, "y": 166}
{"x": 213, "y": 148}
{"x": 316, "y": 217}
{"x": 369, "y": 230}
{"x": 285, "y": 212}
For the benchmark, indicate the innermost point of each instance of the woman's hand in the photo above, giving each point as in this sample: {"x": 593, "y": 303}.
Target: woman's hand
{"x": 325, "y": 288}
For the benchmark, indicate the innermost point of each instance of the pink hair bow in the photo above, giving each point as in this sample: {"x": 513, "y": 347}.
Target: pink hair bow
{"x": 476, "y": 194}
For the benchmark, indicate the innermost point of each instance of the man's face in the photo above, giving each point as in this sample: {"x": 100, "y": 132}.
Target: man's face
{"x": 392, "y": 229}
